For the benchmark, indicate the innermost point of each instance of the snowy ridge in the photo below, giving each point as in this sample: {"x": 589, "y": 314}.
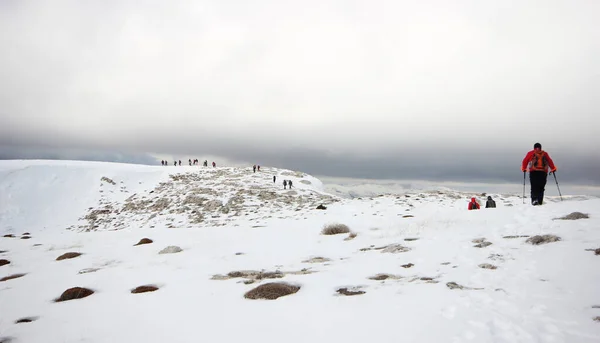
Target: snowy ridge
{"x": 414, "y": 267}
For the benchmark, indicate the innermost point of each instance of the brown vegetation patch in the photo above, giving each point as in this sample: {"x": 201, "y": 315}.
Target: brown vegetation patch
{"x": 68, "y": 255}
{"x": 271, "y": 291}
{"x": 4, "y": 262}
{"x": 394, "y": 249}
{"x": 454, "y": 285}
{"x": 408, "y": 265}
{"x": 597, "y": 251}
{"x": 407, "y": 216}
{"x": 410, "y": 239}
{"x": 3, "y": 251}
{"x": 26, "y": 320}
{"x": 144, "y": 241}
{"x": 26, "y": 237}
{"x": 9, "y": 236}
{"x": 335, "y": 229}
{"x": 144, "y": 289}
{"x": 351, "y": 236}
{"x": 574, "y": 216}
{"x": 487, "y": 266}
{"x": 74, "y": 293}
{"x": 346, "y": 291}
{"x": 383, "y": 276}
{"x": 482, "y": 245}
{"x": 597, "y": 319}
{"x": 516, "y": 236}
{"x": 26, "y": 234}
{"x": 10, "y": 277}
{"x": 317, "y": 259}
{"x": 543, "y": 239}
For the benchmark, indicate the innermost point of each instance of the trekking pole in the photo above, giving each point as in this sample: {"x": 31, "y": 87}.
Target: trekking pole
{"x": 554, "y": 173}
{"x": 524, "y": 173}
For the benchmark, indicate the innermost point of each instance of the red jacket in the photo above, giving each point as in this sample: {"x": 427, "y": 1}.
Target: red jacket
{"x": 473, "y": 202}
{"x": 527, "y": 161}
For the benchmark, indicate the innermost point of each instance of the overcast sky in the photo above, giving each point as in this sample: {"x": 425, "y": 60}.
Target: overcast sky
{"x": 439, "y": 90}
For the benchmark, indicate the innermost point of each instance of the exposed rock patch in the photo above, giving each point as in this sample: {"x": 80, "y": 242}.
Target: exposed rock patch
{"x": 11, "y": 277}
{"x": 9, "y": 236}
{"x": 574, "y": 216}
{"x": 271, "y": 291}
{"x": 26, "y": 320}
{"x": 172, "y": 249}
{"x": 144, "y": 241}
{"x": 349, "y": 292}
{"x": 144, "y": 289}
{"x": 74, "y": 293}
{"x": 543, "y": 239}
{"x": 26, "y": 237}
{"x": 68, "y": 255}
{"x": 321, "y": 207}
{"x": 482, "y": 245}
{"x": 107, "y": 180}
{"x": 395, "y": 249}
{"x": 408, "y": 265}
{"x": 4, "y": 262}
{"x": 88, "y": 270}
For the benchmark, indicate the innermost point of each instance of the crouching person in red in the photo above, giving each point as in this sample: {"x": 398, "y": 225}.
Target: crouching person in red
{"x": 473, "y": 205}
{"x": 537, "y": 161}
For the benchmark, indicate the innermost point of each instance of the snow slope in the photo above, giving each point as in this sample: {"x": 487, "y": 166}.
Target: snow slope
{"x": 537, "y": 293}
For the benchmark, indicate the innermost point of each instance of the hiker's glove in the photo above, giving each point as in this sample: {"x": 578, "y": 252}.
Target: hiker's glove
{"x": 523, "y": 170}
{"x": 553, "y": 170}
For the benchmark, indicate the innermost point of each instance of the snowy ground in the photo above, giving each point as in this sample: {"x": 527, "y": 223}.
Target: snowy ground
{"x": 426, "y": 244}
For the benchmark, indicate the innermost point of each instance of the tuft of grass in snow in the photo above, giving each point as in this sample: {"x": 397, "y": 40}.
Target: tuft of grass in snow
{"x": 74, "y": 293}
{"x": 335, "y": 229}
{"x": 144, "y": 241}
{"x": 351, "y": 236}
{"x": 271, "y": 291}
{"x": 10, "y": 277}
{"x": 487, "y": 266}
{"x": 349, "y": 292}
{"x": 68, "y": 255}
{"x": 543, "y": 239}
{"x": 574, "y": 216}
{"x": 144, "y": 289}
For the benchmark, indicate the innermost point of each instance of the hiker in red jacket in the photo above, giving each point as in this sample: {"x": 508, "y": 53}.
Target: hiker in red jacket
{"x": 537, "y": 161}
{"x": 473, "y": 205}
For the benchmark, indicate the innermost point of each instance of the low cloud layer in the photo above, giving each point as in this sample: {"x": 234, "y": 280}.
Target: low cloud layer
{"x": 378, "y": 89}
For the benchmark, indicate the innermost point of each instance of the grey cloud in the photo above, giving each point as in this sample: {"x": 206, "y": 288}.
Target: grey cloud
{"x": 377, "y": 89}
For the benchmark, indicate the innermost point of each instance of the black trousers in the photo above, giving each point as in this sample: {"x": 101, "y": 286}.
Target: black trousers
{"x": 538, "y": 180}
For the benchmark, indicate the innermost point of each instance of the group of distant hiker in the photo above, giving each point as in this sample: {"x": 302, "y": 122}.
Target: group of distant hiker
{"x": 537, "y": 162}
{"x": 190, "y": 162}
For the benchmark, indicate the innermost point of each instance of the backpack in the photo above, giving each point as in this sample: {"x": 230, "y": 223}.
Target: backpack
{"x": 538, "y": 161}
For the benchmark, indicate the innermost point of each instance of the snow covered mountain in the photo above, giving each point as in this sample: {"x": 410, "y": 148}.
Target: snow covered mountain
{"x": 80, "y": 238}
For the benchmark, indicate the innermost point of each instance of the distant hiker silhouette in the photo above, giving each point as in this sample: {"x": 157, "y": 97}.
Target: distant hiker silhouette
{"x": 290, "y": 184}
{"x": 473, "y": 205}
{"x": 254, "y": 168}
{"x": 490, "y": 203}
{"x": 258, "y": 167}
{"x": 179, "y": 162}
{"x": 537, "y": 161}
{"x": 274, "y": 178}
{"x": 162, "y": 162}
{"x": 284, "y": 184}
{"x": 214, "y": 164}
{"x": 190, "y": 161}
